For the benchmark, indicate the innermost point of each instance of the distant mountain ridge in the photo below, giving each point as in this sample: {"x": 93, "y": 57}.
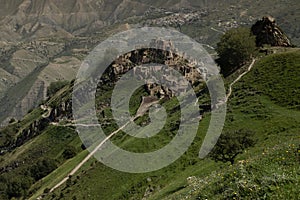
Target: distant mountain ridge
{"x": 39, "y": 18}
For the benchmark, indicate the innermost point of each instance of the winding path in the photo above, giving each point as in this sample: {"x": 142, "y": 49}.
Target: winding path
{"x": 239, "y": 78}
{"x": 141, "y": 111}
{"x": 88, "y": 156}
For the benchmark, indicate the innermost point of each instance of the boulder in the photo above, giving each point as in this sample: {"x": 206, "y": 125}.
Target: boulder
{"x": 267, "y": 32}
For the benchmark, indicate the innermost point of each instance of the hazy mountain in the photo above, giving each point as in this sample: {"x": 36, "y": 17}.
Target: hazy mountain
{"x": 35, "y": 34}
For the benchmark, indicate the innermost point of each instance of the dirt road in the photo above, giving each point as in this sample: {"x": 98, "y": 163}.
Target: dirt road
{"x": 141, "y": 111}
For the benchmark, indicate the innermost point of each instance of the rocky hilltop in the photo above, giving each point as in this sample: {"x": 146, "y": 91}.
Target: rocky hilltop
{"x": 268, "y": 32}
{"x": 165, "y": 55}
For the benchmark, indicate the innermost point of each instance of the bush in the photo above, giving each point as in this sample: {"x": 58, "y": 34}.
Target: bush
{"x": 55, "y": 87}
{"x": 69, "y": 182}
{"x": 18, "y": 186}
{"x": 69, "y": 152}
{"x": 236, "y": 47}
{"x": 12, "y": 120}
{"x": 43, "y": 168}
{"x": 231, "y": 144}
{"x": 46, "y": 190}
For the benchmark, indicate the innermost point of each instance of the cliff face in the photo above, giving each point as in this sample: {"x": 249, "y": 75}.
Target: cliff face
{"x": 62, "y": 108}
{"x": 267, "y": 32}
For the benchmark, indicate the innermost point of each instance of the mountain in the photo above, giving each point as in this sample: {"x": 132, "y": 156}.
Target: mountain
{"x": 46, "y": 41}
{"x": 42, "y": 45}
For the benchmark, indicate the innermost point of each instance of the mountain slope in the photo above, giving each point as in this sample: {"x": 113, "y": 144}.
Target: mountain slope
{"x": 253, "y": 105}
{"x": 34, "y": 32}
{"x": 45, "y": 41}
{"x": 276, "y": 130}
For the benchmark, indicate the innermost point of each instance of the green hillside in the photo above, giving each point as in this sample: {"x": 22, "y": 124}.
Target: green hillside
{"x": 268, "y": 170}
{"x": 265, "y": 101}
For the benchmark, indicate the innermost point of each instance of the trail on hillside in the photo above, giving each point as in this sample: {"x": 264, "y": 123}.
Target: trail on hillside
{"x": 239, "y": 78}
{"x": 212, "y": 28}
{"x": 141, "y": 111}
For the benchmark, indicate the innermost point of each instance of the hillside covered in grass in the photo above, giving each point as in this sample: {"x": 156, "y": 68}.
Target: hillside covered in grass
{"x": 265, "y": 102}
{"x": 269, "y": 170}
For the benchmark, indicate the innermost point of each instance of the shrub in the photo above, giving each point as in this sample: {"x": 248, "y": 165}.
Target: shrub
{"x": 43, "y": 168}
{"x": 12, "y": 120}
{"x": 46, "y": 190}
{"x": 69, "y": 152}
{"x": 18, "y": 186}
{"x": 231, "y": 144}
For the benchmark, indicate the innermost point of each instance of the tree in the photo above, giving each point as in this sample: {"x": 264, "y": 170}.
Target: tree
{"x": 18, "y": 186}
{"x": 69, "y": 182}
{"x": 236, "y": 47}
{"x": 230, "y": 144}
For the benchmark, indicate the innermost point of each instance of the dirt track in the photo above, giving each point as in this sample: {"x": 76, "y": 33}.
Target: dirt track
{"x": 141, "y": 111}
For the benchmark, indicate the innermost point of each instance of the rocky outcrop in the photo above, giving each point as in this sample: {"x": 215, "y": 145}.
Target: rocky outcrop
{"x": 31, "y": 131}
{"x": 267, "y": 32}
{"x": 164, "y": 55}
{"x": 63, "y": 109}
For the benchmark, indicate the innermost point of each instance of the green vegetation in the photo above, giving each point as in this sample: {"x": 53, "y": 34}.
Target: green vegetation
{"x": 278, "y": 76}
{"x": 34, "y": 160}
{"x": 236, "y": 47}
{"x": 43, "y": 168}
{"x": 272, "y": 126}
{"x": 269, "y": 169}
{"x": 231, "y": 144}
{"x": 69, "y": 152}
{"x": 55, "y": 87}
{"x": 271, "y": 174}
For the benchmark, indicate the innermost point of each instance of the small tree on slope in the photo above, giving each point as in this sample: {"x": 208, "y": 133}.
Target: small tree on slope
{"x": 230, "y": 144}
{"x": 234, "y": 49}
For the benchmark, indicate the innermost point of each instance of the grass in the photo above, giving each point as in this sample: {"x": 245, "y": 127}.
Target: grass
{"x": 266, "y": 101}
{"x": 276, "y": 129}
{"x": 271, "y": 175}
{"x": 56, "y": 176}
{"x": 270, "y": 169}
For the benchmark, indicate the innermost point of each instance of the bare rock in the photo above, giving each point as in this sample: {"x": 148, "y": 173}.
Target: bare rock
{"x": 267, "y": 32}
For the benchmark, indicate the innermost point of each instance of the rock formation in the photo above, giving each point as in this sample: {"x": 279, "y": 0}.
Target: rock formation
{"x": 164, "y": 54}
{"x": 267, "y": 32}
